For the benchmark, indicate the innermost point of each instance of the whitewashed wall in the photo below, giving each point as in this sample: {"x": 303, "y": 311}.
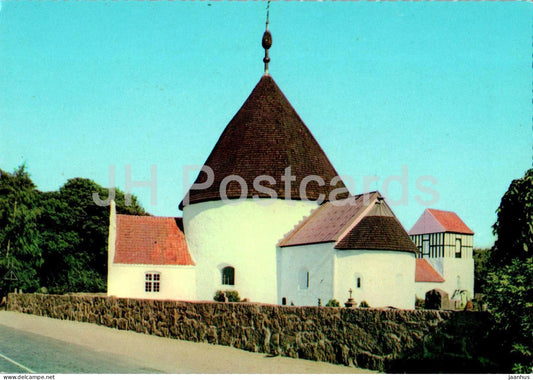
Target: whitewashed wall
{"x": 421, "y": 288}
{"x": 177, "y": 282}
{"x": 451, "y": 269}
{"x": 464, "y": 268}
{"x": 388, "y": 277}
{"x": 243, "y": 236}
{"x": 318, "y": 260}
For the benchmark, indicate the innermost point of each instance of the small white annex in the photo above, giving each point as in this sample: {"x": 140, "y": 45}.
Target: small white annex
{"x": 148, "y": 258}
{"x": 356, "y": 247}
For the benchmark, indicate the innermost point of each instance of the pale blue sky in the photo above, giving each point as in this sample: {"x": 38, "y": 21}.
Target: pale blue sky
{"x": 444, "y": 88}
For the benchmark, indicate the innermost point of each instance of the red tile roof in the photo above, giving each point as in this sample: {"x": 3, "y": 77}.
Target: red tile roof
{"x": 424, "y": 272}
{"x": 450, "y": 221}
{"x": 151, "y": 240}
{"x": 264, "y": 137}
{"x": 432, "y": 221}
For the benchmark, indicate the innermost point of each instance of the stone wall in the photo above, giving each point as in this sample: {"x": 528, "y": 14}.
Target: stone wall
{"x": 379, "y": 339}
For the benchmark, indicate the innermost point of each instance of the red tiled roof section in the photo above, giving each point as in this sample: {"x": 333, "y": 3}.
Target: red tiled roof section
{"x": 264, "y": 137}
{"x": 378, "y": 233}
{"x": 150, "y": 240}
{"x": 451, "y": 221}
{"x": 424, "y": 272}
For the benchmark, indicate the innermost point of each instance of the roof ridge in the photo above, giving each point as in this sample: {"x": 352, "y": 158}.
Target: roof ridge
{"x": 354, "y": 221}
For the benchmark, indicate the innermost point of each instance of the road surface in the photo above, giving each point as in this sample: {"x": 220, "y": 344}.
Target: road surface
{"x": 43, "y": 345}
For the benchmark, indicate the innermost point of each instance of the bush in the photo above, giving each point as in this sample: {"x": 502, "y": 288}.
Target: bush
{"x": 364, "y": 304}
{"x": 333, "y": 303}
{"x": 219, "y": 296}
{"x": 233, "y": 296}
{"x": 419, "y": 303}
{"x": 227, "y": 295}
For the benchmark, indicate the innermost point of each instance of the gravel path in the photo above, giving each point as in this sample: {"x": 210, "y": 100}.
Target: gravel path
{"x": 164, "y": 354}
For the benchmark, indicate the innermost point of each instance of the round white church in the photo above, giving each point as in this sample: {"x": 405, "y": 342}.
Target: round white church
{"x": 270, "y": 218}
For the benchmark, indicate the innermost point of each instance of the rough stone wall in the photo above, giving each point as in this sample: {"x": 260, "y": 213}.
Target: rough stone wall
{"x": 369, "y": 338}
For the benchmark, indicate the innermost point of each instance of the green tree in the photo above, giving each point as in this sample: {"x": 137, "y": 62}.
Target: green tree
{"x": 508, "y": 288}
{"x": 75, "y": 231}
{"x": 481, "y": 268}
{"x": 514, "y": 226}
{"x": 20, "y": 255}
{"x": 510, "y": 298}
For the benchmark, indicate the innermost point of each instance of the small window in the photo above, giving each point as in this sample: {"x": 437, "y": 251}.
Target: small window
{"x": 284, "y": 301}
{"x": 152, "y": 282}
{"x": 303, "y": 281}
{"x": 358, "y": 281}
{"x": 458, "y": 247}
{"x": 228, "y": 276}
{"x": 425, "y": 245}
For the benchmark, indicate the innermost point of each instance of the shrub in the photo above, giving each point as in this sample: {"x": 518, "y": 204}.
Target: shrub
{"x": 219, "y": 296}
{"x": 333, "y": 303}
{"x": 419, "y": 303}
{"x": 227, "y": 295}
{"x": 364, "y": 304}
{"x": 233, "y": 296}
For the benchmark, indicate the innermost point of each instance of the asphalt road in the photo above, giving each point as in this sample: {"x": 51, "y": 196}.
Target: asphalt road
{"x": 23, "y": 352}
{"x": 46, "y": 345}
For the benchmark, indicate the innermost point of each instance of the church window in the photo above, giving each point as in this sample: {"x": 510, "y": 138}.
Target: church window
{"x": 358, "y": 281}
{"x": 458, "y": 247}
{"x": 425, "y": 245}
{"x": 152, "y": 282}
{"x": 303, "y": 280}
{"x": 228, "y": 276}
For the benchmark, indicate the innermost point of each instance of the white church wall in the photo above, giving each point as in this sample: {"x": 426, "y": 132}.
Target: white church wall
{"x": 242, "y": 235}
{"x": 176, "y": 282}
{"x": 459, "y": 274}
{"x": 306, "y": 274}
{"x": 387, "y": 278}
{"x": 421, "y": 288}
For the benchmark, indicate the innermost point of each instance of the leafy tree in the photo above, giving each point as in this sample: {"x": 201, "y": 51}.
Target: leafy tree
{"x": 514, "y": 226}
{"x": 75, "y": 231}
{"x": 508, "y": 288}
{"x": 481, "y": 268}
{"x": 19, "y": 251}
{"x": 509, "y": 295}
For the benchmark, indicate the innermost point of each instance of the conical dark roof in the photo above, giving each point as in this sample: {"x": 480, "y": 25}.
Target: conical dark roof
{"x": 263, "y": 138}
{"x": 378, "y": 232}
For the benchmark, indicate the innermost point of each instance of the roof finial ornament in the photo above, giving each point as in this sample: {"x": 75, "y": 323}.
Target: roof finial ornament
{"x": 267, "y": 41}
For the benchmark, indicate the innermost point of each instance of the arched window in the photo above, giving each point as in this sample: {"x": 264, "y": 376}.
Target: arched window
{"x": 458, "y": 248}
{"x": 358, "y": 281}
{"x": 303, "y": 279}
{"x": 228, "y": 276}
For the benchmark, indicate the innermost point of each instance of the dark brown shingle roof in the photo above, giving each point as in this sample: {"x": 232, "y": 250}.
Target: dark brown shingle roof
{"x": 263, "y": 138}
{"x": 328, "y": 222}
{"x": 379, "y": 233}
